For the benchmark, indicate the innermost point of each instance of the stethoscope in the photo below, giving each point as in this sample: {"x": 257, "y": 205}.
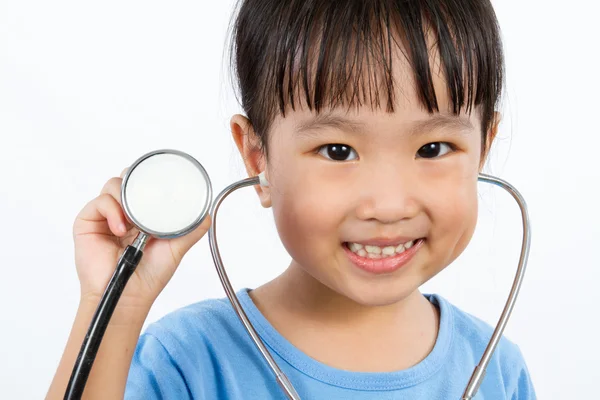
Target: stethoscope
{"x": 167, "y": 194}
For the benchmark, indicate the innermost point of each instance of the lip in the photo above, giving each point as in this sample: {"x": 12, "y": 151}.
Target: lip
{"x": 383, "y": 265}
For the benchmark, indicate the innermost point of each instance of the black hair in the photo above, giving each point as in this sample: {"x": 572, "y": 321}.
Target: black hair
{"x": 339, "y": 52}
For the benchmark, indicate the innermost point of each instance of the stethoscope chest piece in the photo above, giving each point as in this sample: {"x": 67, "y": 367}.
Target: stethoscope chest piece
{"x": 166, "y": 194}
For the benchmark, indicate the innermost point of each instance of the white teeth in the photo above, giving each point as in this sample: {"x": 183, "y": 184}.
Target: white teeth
{"x": 374, "y": 252}
{"x": 373, "y": 249}
{"x": 388, "y": 251}
{"x": 355, "y": 247}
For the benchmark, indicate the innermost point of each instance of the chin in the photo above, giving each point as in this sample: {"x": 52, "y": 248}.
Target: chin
{"x": 378, "y": 294}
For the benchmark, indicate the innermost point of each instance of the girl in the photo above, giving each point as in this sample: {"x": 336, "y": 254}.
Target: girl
{"x": 372, "y": 120}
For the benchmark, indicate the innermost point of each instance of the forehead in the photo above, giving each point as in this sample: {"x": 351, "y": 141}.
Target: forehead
{"x": 362, "y": 80}
{"x": 407, "y": 107}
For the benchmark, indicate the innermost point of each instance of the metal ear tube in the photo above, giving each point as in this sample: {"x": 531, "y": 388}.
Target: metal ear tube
{"x": 285, "y": 384}
{"x": 282, "y": 379}
{"x": 479, "y": 372}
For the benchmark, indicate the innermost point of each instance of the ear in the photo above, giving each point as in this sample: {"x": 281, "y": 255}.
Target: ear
{"x": 490, "y": 137}
{"x": 248, "y": 144}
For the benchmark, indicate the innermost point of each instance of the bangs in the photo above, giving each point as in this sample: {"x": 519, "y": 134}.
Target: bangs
{"x": 329, "y": 54}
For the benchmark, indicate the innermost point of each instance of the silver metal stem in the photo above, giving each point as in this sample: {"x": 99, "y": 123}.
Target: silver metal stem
{"x": 282, "y": 379}
{"x": 479, "y": 372}
{"x": 140, "y": 241}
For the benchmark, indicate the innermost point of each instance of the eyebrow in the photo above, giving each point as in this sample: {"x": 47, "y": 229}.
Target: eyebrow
{"x": 328, "y": 120}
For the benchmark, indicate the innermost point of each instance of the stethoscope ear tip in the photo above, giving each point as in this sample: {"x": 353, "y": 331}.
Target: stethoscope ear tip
{"x": 263, "y": 181}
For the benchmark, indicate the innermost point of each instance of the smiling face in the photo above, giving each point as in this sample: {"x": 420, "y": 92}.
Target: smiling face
{"x": 371, "y": 178}
{"x": 370, "y": 204}
{"x": 349, "y": 188}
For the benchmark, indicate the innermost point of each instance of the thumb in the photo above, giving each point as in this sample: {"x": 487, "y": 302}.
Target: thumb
{"x": 181, "y": 245}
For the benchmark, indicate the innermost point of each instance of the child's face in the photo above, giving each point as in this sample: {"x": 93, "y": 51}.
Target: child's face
{"x": 383, "y": 185}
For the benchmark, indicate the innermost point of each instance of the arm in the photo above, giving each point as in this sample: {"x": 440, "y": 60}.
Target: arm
{"x": 101, "y": 232}
{"x": 109, "y": 374}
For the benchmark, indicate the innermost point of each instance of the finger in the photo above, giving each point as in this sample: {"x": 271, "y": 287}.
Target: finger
{"x": 113, "y": 188}
{"x": 181, "y": 245}
{"x": 103, "y": 209}
{"x": 124, "y": 172}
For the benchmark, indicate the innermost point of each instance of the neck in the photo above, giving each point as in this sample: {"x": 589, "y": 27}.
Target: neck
{"x": 300, "y": 306}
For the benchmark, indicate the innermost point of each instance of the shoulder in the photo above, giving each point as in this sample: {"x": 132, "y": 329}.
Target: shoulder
{"x": 473, "y": 330}
{"x": 193, "y": 325}
{"x": 472, "y": 335}
{"x": 179, "y": 355}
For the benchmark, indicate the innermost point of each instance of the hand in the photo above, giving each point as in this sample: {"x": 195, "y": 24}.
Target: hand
{"x": 102, "y": 231}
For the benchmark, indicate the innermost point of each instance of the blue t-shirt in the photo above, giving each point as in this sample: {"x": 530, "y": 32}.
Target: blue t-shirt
{"x": 203, "y": 352}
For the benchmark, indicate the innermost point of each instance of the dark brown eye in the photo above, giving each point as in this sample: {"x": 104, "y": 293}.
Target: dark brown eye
{"x": 338, "y": 152}
{"x": 433, "y": 150}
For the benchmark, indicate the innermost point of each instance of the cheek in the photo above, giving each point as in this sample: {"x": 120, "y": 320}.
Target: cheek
{"x": 455, "y": 215}
{"x": 307, "y": 215}
{"x": 453, "y": 201}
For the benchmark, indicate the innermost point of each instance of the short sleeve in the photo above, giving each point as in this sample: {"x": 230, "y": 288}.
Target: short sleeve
{"x": 524, "y": 386}
{"x": 153, "y": 373}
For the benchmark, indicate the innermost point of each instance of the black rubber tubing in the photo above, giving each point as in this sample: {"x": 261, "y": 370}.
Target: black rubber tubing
{"x": 91, "y": 343}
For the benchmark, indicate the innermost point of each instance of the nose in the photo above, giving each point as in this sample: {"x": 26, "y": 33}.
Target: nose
{"x": 388, "y": 195}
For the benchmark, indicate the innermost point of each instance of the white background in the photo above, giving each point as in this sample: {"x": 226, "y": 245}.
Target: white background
{"x": 88, "y": 87}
